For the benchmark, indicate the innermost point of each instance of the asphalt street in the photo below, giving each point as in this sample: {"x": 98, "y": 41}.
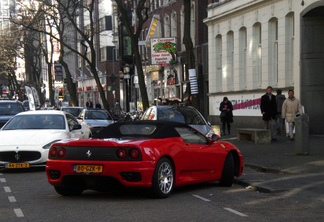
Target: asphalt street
{"x": 277, "y": 185}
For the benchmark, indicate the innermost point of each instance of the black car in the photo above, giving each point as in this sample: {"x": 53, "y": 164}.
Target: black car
{"x": 8, "y": 109}
{"x": 75, "y": 111}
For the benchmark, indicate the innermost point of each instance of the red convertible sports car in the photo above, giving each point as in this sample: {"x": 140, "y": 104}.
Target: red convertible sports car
{"x": 152, "y": 154}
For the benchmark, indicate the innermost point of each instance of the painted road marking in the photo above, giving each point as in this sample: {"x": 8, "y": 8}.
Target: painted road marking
{"x": 3, "y": 180}
{"x": 18, "y": 212}
{"x": 235, "y": 212}
{"x": 7, "y": 189}
{"x": 202, "y": 198}
{"x": 12, "y": 199}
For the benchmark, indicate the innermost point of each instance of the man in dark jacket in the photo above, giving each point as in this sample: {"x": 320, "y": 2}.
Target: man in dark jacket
{"x": 268, "y": 108}
{"x": 89, "y": 104}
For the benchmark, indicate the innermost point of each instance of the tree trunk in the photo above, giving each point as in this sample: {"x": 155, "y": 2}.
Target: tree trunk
{"x": 189, "y": 46}
{"x": 69, "y": 83}
{"x": 50, "y": 84}
{"x": 141, "y": 78}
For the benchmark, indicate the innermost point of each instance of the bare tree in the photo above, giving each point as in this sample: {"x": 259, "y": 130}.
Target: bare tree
{"x": 10, "y": 50}
{"x": 141, "y": 12}
{"x": 63, "y": 13}
{"x": 8, "y": 53}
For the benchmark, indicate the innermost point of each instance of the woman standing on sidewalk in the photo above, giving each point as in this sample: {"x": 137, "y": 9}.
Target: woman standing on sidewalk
{"x": 226, "y": 115}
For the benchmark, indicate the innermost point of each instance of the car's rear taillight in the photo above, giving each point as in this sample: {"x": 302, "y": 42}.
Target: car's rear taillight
{"x": 53, "y": 152}
{"x": 134, "y": 153}
{"x": 61, "y": 152}
{"x": 121, "y": 153}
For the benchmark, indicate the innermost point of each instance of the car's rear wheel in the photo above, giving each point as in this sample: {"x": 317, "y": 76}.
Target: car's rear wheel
{"x": 162, "y": 182}
{"x": 227, "y": 178}
{"x": 67, "y": 191}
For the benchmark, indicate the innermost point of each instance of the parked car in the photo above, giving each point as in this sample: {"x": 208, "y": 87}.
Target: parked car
{"x": 8, "y": 109}
{"x": 182, "y": 114}
{"x": 25, "y": 104}
{"x": 95, "y": 119}
{"x": 158, "y": 155}
{"x": 48, "y": 108}
{"x": 74, "y": 110}
{"x": 25, "y": 139}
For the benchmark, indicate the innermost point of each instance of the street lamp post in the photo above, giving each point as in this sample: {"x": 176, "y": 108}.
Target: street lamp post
{"x": 127, "y": 78}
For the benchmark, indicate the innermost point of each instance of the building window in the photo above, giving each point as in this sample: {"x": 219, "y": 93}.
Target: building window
{"x": 103, "y": 54}
{"x": 166, "y": 26}
{"x": 273, "y": 51}
{"x": 111, "y": 53}
{"x": 257, "y": 55}
{"x": 289, "y": 44}
{"x": 174, "y": 24}
{"x": 230, "y": 61}
{"x": 105, "y": 23}
{"x": 182, "y": 28}
{"x": 242, "y": 58}
{"x": 193, "y": 24}
{"x": 219, "y": 63}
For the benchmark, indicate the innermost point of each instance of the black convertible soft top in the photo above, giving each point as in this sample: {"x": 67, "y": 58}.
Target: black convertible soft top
{"x": 144, "y": 128}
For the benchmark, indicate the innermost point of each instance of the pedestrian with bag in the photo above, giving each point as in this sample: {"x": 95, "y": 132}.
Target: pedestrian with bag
{"x": 290, "y": 108}
{"x": 226, "y": 115}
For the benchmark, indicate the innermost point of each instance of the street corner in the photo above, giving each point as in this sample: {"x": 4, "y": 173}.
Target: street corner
{"x": 261, "y": 181}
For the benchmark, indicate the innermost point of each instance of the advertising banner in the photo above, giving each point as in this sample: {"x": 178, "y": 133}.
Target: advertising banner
{"x": 56, "y": 96}
{"x": 58, "y": 71}
{"x": 35, "y": 94}
{"x": 30, "y": 96}
{"x": 243, "y": 104}
{"x": 163, "y": 51}
{"x": 193, "y": 81}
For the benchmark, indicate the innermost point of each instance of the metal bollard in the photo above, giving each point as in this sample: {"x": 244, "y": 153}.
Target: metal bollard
{"x": 302, "y": 146}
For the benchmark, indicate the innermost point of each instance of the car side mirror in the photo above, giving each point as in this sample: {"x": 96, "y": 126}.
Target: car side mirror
{"x": 76, "y": 127}
{"x": 213, "y": 138}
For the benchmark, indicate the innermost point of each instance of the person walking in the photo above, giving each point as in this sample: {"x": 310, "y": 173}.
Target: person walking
{"x": 269, "y": 110}
{"x": 226, "y": 115}
{"x": 279, "y": 101}
{"x": 117, "y": 110}
{"x": 290, "y": 108}
{"x": 89, "y": 104}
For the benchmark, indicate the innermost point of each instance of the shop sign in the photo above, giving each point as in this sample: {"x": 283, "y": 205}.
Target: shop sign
{"x": 163, "y": 51}
{"x": 151, "y": 68}
{"x": 155, "y": 76}
{"x": 58, "y": 71}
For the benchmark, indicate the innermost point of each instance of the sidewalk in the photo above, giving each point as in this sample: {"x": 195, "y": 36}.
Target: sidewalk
{"x": 275, "y": 167}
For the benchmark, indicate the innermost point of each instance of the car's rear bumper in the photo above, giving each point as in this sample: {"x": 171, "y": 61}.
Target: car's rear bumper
{"x": 115, "y": 169}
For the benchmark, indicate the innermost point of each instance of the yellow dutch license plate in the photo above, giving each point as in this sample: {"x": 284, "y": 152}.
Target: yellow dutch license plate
{"x": 17, "y": 165}
{"x": 87, "y": 168}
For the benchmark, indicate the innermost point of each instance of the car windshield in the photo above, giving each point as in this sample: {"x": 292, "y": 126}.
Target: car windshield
{"x": 73, "y": 111}
{"x": 183, "y": 115}
{"x": 131, "y": 129}
{"x": 29, "y": 122}
{"x": 10, "y": 108}
{"x": 96, "y": 114}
